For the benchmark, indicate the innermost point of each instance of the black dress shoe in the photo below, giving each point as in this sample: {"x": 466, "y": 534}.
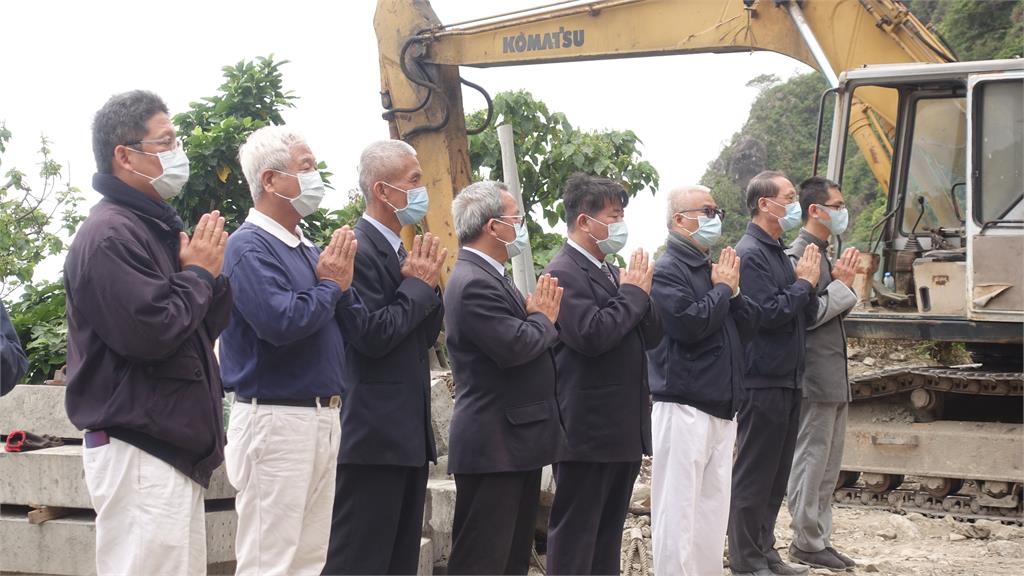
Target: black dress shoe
{"x": 787, "y": 569}
{"x": 843, "y": 557}
{"x": 819, "y": 559}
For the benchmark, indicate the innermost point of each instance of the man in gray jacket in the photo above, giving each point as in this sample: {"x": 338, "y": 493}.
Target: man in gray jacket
{"x": 826, "y": 388}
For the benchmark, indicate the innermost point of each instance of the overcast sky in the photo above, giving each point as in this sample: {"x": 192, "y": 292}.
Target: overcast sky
{"x": 63, "y": 59}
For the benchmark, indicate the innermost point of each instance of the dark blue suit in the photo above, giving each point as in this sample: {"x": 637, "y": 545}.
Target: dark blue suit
{"x": 386, "y": 435}
{"x": 604, "y": 331}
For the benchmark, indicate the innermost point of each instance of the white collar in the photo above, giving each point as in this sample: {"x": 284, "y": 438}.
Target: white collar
{"x": 272, "y": 227}
{"x": 388, "y": 233}
{"x": 497, "y": 265}
{"x": 584, "y": 251}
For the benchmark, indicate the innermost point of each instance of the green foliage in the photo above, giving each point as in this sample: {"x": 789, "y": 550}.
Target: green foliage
{"x": 549, "y": 149}
{"x": 35, "y": 221}
{"x": 214, "y": 128}
{"x": 975, "y": 30}
{"x": 38, "y": 318}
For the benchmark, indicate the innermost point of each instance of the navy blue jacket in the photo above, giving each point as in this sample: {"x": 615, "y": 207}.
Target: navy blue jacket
{"x": 12, "y": 358}
{"x": 283, "y": 342}
{"x": 506, "y": 415}
{"x": 700, "y": 362}
{"x": 604, "y": 330}
{"x": 385, "y": 419}
{"x": 775, "y": 358}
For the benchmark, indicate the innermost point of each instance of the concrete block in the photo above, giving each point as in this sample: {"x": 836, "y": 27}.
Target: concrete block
{"x": 438, "y": 517}
{"x": 55, "y": 477}
{"x": 37, "y": 408}
{"x": 441, "y": 407}
{"x": 68, "y": 545}
{"x": 439, "y": 470}
{"x": 426, "y": 564}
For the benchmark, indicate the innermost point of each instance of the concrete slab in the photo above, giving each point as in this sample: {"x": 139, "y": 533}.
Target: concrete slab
{"x": 426, "y": 565}
{"x": 441, "y": 407}
{"x": 55, "y": 477}
{"x": 67, "y": 546}
{"x": 37, "y": 408}
{"x": 438, "y": 517}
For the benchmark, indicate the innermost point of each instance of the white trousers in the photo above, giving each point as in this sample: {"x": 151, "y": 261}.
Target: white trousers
{"x": 283, "y": 461}
{"x": 691, "y": 481}
{"x": 150, "y": 518}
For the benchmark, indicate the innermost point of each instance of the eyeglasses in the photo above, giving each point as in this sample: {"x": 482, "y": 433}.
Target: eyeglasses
{"x": 167, "y": 143}
{"x": 838, "y": 206}
{"x": 708, "y": 211}
{"x": 515, "y": 218}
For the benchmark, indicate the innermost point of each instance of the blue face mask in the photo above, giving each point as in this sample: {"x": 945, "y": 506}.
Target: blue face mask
{"x": 708, "y": 232}
{"x": 840, "y": 219}
{"x": 617, "y": 236}
{"x": 417, "y": 204}
{"x": 792, "y": 217}
{"x": 516, "y": 247}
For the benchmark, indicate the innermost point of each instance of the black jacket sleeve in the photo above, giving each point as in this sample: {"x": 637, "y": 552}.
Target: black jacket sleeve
{"x": 778, "y": 305}
{"x": 490, "y": 322}
{"x": 13, "y": 362}
{"x": 686, "y": 317}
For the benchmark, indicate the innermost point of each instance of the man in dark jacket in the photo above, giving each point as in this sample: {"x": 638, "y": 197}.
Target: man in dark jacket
{"x": 145, "y": 303}
{"x": 606, "y": 322}
{"x": 506, "y": 425}
{"x": 770, "y": 411}
{"x": 13, "y": 362}
{"x": 826, "y": 385}
{"x": 696, "y": 375}
{"x": 386, "y": 434}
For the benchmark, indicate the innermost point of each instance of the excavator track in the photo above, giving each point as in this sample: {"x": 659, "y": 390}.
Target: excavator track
{"x": 939, "y": 379}
{"x": 959, "y": 506}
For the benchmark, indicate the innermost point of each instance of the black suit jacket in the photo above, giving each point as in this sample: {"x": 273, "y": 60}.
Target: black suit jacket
{"x": 385, "y": 415}
{"x": 605, "y": 330}
{"x": 506, "y": 417}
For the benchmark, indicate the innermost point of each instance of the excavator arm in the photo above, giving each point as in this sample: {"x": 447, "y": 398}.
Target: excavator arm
{"x": 420, "y": 59}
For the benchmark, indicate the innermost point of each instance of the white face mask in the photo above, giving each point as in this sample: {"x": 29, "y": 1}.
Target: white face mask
{"x": 311, "y": 192}
{"x": 175, "y": 172}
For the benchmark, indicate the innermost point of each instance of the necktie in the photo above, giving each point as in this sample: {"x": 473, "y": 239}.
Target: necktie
{"x": 402, "y": 253}
{"x": 608, "y": 273}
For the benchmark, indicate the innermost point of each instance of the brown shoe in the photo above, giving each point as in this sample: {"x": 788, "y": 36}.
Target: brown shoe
{"x": 820, "y": 559}
{"x": 842, "y": 557}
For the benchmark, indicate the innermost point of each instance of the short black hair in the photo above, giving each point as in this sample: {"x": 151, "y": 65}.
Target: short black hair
{"x": 762, "y": 186}
{"x": 122, "y": 120}
{"x": 585, "y": 194}
{"x": 814, "y": 190}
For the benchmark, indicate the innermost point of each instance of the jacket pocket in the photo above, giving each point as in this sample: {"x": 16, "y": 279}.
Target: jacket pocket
{"x": 535, "y": 412}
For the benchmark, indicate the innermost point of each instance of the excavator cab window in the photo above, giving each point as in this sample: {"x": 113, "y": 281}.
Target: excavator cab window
{"x": 936, "y": 170}
{"x": 999, "y": 155}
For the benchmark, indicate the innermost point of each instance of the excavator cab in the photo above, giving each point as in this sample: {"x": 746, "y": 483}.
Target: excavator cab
{"x": 946, "y": 259}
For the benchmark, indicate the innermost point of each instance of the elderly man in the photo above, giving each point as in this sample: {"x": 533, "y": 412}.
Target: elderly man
{"x": 770, "y": 410}
{"x": 696, "y": 378}
{"x": 606, "y": 322}
{"x": 506, "y": 424}
{"x": 826, "y": 388}
{"x": 13, "y": 362}
{"x": 145, "y": 303}
{"x": 386, "y": 434}
{"x": 283, "y": 355}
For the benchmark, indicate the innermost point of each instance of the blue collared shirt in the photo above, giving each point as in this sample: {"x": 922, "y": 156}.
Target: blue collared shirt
{"x": 283, "y": 341}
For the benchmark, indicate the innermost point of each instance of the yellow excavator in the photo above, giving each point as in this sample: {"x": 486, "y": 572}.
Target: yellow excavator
{"x": 944, "y": 139}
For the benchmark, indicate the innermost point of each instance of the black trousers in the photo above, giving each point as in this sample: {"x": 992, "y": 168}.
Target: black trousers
{"x": 495, "y": 522}
{"x": 585, "y": 528}
{"x": 378, "y": 520}
{"x": 768, "y": 421}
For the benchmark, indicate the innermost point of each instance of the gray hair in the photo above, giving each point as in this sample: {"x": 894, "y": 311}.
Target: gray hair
{"x": 379, "y": 161}
{"x": 474, "y": 207}
{"x": 120, "y": 122}
{"x": 268, "y": 148}
{"x": 677, "y": 199}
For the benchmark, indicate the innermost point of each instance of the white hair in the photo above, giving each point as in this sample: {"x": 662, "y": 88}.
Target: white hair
{"x": 677, "y": 199}
{"x": 474, "y": 207}
{"x": 268, "y": 148}
{"x": 379, "y": 161}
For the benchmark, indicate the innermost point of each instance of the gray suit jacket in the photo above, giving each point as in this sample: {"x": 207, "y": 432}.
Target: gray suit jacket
{"x": 825, "y": 372}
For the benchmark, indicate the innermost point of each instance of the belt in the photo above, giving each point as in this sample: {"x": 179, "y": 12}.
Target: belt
{"x": 324, "y": 401}
{"x": 96, "y": 438}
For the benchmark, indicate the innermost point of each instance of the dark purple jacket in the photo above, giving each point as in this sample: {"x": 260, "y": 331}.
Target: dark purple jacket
{"x": 141, "y": 332}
